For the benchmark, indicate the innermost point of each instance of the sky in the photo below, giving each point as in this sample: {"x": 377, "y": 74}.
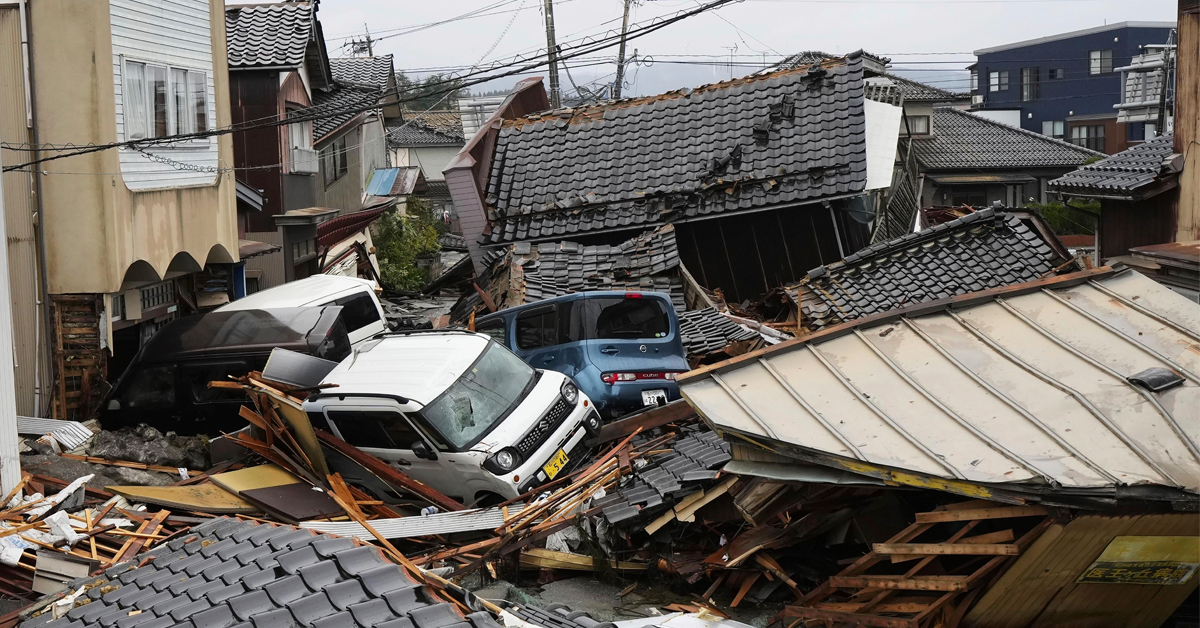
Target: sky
{"x": 926, "y": 39}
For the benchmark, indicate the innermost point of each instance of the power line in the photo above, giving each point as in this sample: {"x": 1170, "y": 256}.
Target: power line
{"x": 376, "y": 104}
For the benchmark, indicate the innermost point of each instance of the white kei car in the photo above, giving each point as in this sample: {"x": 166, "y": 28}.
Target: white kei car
{"x": 457, "y": 411}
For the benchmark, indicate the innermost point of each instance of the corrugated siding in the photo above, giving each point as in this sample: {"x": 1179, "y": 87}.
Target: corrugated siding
{"x": 470, "y": 212}
{"x": 1040, "y": 590}
{"x": 176, "y": 33}
{"x": 19, "y": 207}
{"x": 345, "y": 194}
{"x": 270, "y": 264}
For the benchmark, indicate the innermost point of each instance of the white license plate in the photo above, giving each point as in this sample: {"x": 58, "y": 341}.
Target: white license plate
{"x": 652, "y": 397}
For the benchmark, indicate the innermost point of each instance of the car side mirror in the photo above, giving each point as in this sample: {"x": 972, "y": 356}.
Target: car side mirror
{"x": 113, "y": 404}
{"x": 421, "y": 450}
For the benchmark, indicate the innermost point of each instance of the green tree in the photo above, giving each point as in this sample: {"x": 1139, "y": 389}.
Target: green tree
{"x": 400, "y": 239}
{"x": 423, "y": 94}
{"x": 1077, "y": 217}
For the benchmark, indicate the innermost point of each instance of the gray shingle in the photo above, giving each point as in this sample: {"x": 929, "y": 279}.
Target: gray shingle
{"x": 1121, "y": 174}
{"x": 962, "y": 140}
{"x": 707, "y": 330}
{"x": 366, "y": 71}
{"x": 341, "y": 103}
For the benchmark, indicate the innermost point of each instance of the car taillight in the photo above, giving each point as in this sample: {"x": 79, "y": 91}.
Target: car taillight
{"x": 633, "y": 295}
{"x": 612, "y": 378}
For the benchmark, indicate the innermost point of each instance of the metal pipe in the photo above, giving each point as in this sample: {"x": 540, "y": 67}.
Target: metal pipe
{"x": 811, "y": 410}
{"x": 997, "y": 447}
{"x": 1012, "y": 404}
{"x": 766, "y": 428}
{"x": 1195, "y": 451}
{"x": 1079, "y": 398}
{"x": 882, "y": 415}
{"x": 1137, "y": 345}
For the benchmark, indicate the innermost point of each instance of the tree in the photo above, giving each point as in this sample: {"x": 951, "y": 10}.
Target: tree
{"x": 400, "y": 239}
{"x": 421, "y": 95}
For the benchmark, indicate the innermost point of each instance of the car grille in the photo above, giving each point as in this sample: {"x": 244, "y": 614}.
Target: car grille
{"x": 544, "y": 428}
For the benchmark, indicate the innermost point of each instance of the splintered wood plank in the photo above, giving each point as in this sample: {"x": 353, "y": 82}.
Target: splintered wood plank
{"x": 947, "y": 549}
{"x": 745, "y": 588}
{"x": 854, "y": 619}
{"x": 912, "y": 583}
{"x": 984, "y": 513}
{"x": 887, "y": 607}
{"x": 1003, "y": 536}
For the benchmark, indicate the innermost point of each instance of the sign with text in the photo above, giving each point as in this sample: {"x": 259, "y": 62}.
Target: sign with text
{"x": 1154, "y": 560}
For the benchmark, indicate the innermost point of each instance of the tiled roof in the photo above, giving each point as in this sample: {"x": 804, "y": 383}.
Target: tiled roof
{"x": 1121, "y": 174}
{"x": 984, "y": 249}
{"x": 333, "y": 231}
{"x": 369, "y": 71}
{"x": 961, "y": 140}
{"x": 338, "y": 99}
{"x": 229, "y": 573}
{"x": 693, "y": 460}
{"x": 913, "y": 90}
{"x": 268, "y": 34}
{"x": 427, "y": 128}
{"x": 764, "y": 140}
{"x": 707, "y": 330}
{"x": 437, "y": 188}
{"x": 551, "y": 269}
{"x": 809, "y": 57}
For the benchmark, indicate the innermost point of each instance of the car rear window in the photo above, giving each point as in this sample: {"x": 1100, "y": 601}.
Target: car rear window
{"x": 621, "y": 318}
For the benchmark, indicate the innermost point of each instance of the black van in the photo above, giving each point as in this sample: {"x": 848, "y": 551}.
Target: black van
{"x": 166, "y": 385}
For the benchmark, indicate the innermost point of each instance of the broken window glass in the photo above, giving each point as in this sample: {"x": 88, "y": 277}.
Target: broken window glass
{"x": 494, "y": 384}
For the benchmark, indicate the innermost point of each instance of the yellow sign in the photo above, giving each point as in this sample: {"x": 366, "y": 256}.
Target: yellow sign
{"x": 1155, "y": 560}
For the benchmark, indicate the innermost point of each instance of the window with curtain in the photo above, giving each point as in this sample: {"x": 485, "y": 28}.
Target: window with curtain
{"x": 1030, "y": 85}
{"x": 160, "y": 101}
{"x": 137, "y": 117}
{"x": 918, "y": 125}
{"x": 1100, "y": 62}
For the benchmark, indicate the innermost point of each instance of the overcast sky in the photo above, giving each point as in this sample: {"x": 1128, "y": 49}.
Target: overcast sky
{"x": 696, "y": 50}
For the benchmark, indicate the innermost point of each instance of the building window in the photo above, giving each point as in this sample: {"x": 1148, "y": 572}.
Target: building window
{"x": 918, "y": 125}
{"x": 1088, "y": 136}
{"x": 334, "y": 160}
{"x": 158, "y": 295}
{"x": 1030, "y": 89}
{"x": 1053, "y": 128}
{"x": 998, "y": 81}
{"x": 160, "y": 100}
{"x": 1057, "y": 74}
{"x": 1100, "y": 62}
{"x": 974, "y": 80}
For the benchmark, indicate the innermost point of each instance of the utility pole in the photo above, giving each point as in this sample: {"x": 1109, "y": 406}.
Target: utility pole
{"x": 370, "y": 47}
{"x": 552, "y": 53}
{"x": 10, "y": 459}
{"x": 621, "y": 53}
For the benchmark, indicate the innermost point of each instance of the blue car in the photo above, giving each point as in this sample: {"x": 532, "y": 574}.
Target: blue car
{"x": 623, "y": 349}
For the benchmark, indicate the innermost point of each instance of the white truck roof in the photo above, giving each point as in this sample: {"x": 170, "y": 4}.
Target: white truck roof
{"x": 314, "y": 290}
{"x": 416, "y": 366}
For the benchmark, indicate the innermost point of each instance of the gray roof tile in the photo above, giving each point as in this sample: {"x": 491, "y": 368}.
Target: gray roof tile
{"x": 707, "y": 330}
{"x": 719, "y": 148}
{"x": 206, "y": 600}
{"x": 336, "y": 101}
{"x": 961, "y": 140}
{"x": 1120, "y": 174}
{"x": 268, "y": 34}
{"x": 985, "y": 249}
{"x": 365, "y": 71}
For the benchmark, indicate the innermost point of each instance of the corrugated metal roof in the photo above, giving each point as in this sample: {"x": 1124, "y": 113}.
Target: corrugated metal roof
{"x": 1023, "y": 387}
{"x": 409, "y": 527}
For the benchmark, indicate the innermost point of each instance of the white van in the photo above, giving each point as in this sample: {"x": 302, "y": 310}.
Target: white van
{"x": 361, "y": 310}
{"x": 458, "y": 412}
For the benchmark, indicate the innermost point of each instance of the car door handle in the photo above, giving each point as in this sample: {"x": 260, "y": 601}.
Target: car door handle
{"x": 610, "y": 351}
{"x": 403, "y": 463}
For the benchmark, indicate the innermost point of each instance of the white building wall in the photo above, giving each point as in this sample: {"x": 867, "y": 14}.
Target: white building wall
{"x": 176, "y": 33}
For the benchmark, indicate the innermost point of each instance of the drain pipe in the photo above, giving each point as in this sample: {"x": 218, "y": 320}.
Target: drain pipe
{"x": 46, "y": 317}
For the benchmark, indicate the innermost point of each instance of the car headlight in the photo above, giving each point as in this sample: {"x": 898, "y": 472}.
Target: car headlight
{"x": 592, "y": 423}
{"x": 570, "y": 392}
{"x": 504, "y": 461}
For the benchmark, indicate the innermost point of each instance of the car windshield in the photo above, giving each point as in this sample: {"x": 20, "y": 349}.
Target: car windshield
{"x": 620, "y": 318}
{"x": 479, "y": 398}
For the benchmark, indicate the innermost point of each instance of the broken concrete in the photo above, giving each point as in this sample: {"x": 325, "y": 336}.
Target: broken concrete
{"x": 147, "y": 445}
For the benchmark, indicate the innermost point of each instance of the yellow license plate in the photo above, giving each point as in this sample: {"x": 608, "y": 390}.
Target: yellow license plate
{"x": 557, "y": 462}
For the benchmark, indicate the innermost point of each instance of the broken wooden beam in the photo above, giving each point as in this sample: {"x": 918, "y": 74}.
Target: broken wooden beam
{"x": 1008, "y": 512}
{"x": 947, "y": 549}
{"x": 911, "y": 583}
{"x": 387, "y": 473}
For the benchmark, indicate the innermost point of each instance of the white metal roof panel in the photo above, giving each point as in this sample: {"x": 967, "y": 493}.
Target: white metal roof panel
{"x": 312, "y": 290}
{"x": 418, "y": 366}
{"x": 1018, "y": 386}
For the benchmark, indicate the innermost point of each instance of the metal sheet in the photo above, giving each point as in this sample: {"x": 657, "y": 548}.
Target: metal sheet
{"x": 69, "y": 434}
{"x": 296, "y": 369}
{"x": 797, "y": 473}
{"x": 408, "y": 527}
{"x": 1018, "y": 385}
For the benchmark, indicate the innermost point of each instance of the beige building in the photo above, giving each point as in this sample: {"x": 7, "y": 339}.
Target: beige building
{"x": 130, "y": 238}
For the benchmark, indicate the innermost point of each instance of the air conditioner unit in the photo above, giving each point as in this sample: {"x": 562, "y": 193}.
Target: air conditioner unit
{"x": 305, "y": 161}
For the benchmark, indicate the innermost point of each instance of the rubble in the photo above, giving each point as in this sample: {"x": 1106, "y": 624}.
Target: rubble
{"x": 147, "y": 445}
